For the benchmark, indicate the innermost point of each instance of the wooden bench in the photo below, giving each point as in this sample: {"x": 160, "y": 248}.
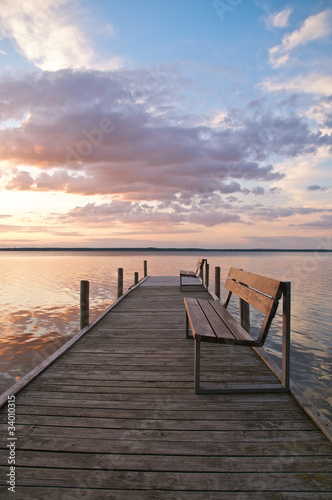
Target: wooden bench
{"x": 193, "y": 274}
{"x": 211, "y": 322}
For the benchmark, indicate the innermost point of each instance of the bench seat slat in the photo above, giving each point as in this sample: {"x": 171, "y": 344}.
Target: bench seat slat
{"x": 188, "y": 273}
{"x": 237, "y": 330}
{"x": 256, "y": 299}
{"x": 200, "y": 326}
{"x": 220, "y": 329}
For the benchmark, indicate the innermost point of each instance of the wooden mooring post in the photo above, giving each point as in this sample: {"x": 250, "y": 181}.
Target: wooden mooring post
{"x": 120, "y": 282}
{"x": 217, "y": 282}
{"x": 84, "y": 304}
{"x": 145, "y": 269}
{"x": 135, "y": 278}
{"x": 207, "y": 273}
{"x": 245, "y": 315}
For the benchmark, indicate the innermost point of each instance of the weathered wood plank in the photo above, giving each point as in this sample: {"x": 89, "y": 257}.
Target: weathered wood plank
{"x": 196, "y": 319}
{"x": 101, "y": 494}
{"x": 165, "y": 435}
{"x": 177, "y": 481}
{"x": 261, "y": 302}
{"x": 168, "y": 424}
{"x": 220, "y": 329}
{"x": 210, "y": 416}
{"x": 280, "y": 448}
{"x": 171, "y": 463}
{"x": 238, "y": 332}
{"x": 267, "y": 285}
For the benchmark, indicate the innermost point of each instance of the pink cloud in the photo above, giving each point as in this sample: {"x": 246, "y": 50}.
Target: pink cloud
{"x": 90, "y": 126}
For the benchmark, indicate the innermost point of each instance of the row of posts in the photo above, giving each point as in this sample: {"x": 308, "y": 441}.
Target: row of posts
{"x": 84, "y": 294}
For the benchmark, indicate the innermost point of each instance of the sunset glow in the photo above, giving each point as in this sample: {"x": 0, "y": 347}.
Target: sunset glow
{"x": 167, "y": 124}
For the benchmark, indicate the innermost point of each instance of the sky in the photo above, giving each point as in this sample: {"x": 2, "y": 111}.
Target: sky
{"x": 178, "y": 123}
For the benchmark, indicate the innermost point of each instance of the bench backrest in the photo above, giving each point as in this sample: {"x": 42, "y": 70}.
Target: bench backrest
{"x": 199, "y": 266}
{"x": 260, "y": 292}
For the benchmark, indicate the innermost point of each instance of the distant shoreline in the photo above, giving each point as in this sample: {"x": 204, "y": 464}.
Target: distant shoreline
{"x": 155, "y": 249}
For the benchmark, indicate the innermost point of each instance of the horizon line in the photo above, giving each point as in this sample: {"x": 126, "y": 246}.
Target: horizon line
{"x": 157, "y": 249}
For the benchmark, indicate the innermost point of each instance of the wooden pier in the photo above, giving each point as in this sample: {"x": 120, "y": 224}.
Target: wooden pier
{"x": 116, "y": 417}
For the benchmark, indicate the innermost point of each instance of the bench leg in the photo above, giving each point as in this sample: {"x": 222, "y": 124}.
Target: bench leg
{"x": 286, "y": 336}
{"x": 233, "y": 388}
{"x": 188, "y": 336}
{"x": 197, "y": 366}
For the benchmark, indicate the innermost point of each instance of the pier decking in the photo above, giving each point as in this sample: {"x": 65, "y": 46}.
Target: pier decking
{"x": 116, "y": 417}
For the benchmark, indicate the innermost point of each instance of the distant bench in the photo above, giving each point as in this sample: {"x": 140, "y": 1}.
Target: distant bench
{"x": 211, "y": 322}
{"x": 193, "y": 274}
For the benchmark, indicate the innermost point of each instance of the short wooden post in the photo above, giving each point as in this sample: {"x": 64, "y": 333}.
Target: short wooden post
{"x": 145, "y": 268}
{"x": 120, "y": 282}
{"x": 217, "y": 282}
{"x": 207, "y": 272}
{"x": 84, "y": 304}
{"x": 245, "y": 315}
{"x": 136, "y": 278}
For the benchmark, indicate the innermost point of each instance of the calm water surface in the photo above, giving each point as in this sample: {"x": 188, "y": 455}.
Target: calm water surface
{"x": 39, "y": 298}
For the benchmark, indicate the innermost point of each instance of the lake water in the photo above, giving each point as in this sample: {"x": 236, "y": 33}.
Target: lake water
{"x": 39, "y": 298}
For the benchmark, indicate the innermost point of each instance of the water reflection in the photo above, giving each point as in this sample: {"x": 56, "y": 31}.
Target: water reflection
{"x": 30, "y": 336}
{"x": 40, "y": 292}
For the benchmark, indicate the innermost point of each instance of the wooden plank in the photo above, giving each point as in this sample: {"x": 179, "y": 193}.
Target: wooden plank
{"x": 165, "y": 435}
{"x": 256, "y": 299}
{"x": 269, "y": 286}
{"x": 154, "y": 404}
{"x": 218, "y": 326}
{"x": 177, "y": 481}
{"x": 57, "y": 493}
{"x": 170, "y": 463}
{"x": 277, "y": 448}
{"x": 209, "y": 415}
{"x": 193, "y": 424}
{"x": 188, "y": 273}
{"x": 237, "y": 330}
{"x": 200, "y": 327}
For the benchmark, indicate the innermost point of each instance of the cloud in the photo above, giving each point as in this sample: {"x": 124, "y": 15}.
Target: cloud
{"x": 315, "y": 187}
{"x": 324, "y": 222}
{"x": 47, "y": 33}
{"x": 21, "y": 181}
{"x": 92, "y": 132}
{"x": 314, "y": 28}
{"x": 262, "y": 213}
{"x": 109, "y": 133}
{"x": 279, "y": 19}
{"x": 171, "y": 217}
{"x": 258, "y": 190}
{"x": 312, "y": 83}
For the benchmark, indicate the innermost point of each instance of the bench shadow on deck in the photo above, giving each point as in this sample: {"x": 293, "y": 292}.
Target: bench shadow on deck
{"x": 116, "y": 417}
